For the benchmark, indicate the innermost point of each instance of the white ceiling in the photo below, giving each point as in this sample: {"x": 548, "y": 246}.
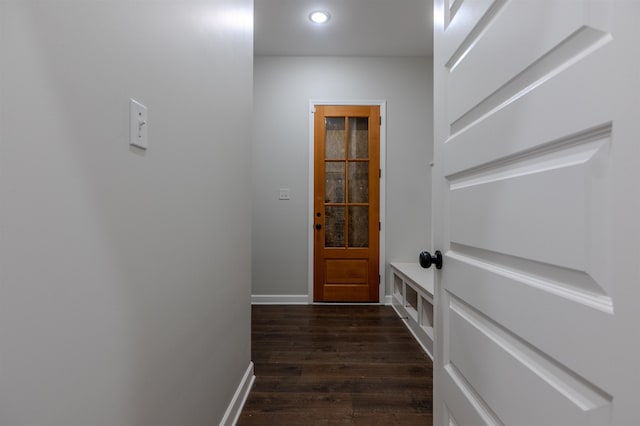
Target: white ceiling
{"x": 356, "y": 28}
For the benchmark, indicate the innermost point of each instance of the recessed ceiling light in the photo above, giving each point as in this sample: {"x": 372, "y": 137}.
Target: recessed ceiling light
{"x": 319, "y": 17}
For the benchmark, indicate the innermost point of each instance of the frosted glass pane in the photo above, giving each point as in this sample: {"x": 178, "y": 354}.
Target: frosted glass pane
{"x": 334, "y": 182}
{"x": 358, "y": 226}
{"x": 359, "y": 182}
{"x": 358, "y": 137}
{"x": 334, "y": 226}
{"x": 334, "y": 140}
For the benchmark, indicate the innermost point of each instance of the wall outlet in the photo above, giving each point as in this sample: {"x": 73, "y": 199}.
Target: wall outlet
{"x": 284, "y": 194}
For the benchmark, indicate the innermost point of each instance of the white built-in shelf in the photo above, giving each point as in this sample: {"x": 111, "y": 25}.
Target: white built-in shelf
{"x": 417, "y": 274}
{"x": 413, "y": 300}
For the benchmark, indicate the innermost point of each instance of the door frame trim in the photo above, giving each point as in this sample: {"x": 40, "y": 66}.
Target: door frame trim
{"x": 383, "y": 162}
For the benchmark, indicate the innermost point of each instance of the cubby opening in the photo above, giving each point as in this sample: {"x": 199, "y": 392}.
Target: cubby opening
{"x": 397, "y": 286}
{"x": 411, "y": 302}
{"x": 426, "y": 316}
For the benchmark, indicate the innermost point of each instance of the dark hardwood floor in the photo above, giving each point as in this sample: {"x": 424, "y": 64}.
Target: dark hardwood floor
{"x": 336, "y": 365}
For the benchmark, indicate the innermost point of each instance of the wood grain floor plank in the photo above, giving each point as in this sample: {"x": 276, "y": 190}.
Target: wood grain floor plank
{"x": 335, "y": 384}
{"x": 336, "y": 365}
{"x": 322, "y": 357}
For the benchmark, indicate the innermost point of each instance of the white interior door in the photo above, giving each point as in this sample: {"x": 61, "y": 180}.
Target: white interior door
{"x": 536, "y": 186}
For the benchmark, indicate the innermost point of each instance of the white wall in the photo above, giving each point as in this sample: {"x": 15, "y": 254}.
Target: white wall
{"x": 125, "y": 284}
{"x": 283, "y": 87}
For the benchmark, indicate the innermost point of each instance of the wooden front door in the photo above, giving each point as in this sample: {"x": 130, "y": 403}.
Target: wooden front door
{"x": 536, "y": 211}
{"x": 346, "y": 203}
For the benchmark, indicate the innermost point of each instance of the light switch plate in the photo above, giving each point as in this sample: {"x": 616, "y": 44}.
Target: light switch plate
{"x": 284, "y": 194}
{"x": 138, "y": 124}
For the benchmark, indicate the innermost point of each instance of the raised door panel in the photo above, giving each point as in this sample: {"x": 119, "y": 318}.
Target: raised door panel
{"x": 476, "y": 85}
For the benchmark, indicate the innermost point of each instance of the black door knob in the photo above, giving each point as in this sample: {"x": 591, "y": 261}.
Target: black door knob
{"x": 318, "y": 226}
{"x": 426, "y": 260}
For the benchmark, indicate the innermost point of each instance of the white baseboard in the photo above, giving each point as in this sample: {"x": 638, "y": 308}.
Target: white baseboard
{"x": 388, "y": 300}
{"x": 279, "y": 299}
{"x": 239, "y": 398}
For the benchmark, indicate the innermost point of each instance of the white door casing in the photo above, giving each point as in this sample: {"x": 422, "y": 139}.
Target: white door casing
{"x": 536, "y": 209}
